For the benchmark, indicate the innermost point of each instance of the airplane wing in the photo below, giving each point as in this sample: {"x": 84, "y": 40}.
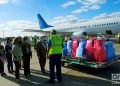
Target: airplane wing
{"x": 47, "y": 32}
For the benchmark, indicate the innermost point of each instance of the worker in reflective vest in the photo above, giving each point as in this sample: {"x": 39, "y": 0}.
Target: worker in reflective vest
{"x": 55, "y": 54}
{"x": 119, "y": 37}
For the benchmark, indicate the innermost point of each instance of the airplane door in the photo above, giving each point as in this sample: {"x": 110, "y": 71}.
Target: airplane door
{"x": 109, "y": 32}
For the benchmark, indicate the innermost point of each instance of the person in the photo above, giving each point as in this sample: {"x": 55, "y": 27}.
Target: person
{"x": 55, "y": 54}
{"x": 69, "y": 47}
{"x": 99, "y": 36}
{"x": 41, "y": 53}
{"x": 21, "y": 62}
{"x": 64, "y": 50}
{"x": 2, "y": 59}
{"x": 8, "y": 49}
{"x": 27, "y": 54}
{"x": 119, "y": 37}
{"x": 17, "y": 56}
{"x": 35, "y": 38}
{"x": 85, "y": 36}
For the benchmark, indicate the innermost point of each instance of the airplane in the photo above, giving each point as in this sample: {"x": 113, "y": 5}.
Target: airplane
{"x": 110, "y": 26}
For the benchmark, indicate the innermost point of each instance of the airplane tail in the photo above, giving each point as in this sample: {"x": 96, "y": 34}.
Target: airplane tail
{"x": 42, "y": 22}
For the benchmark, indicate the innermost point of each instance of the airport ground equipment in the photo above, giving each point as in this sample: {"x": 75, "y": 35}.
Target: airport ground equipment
{"x": 85, "y": 62}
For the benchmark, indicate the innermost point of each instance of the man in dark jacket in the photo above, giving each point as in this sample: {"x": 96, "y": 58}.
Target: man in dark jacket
{"x": 2, "y": 58}
{"x": 8, "y": 49}
{"x": 41, "y": 53}
{"x": 26, "y": 49}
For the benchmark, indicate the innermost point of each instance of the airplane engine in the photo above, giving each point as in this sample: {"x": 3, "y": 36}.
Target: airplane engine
{"x": 77, "y": 35}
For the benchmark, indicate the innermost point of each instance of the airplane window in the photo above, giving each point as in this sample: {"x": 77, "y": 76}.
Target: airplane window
{"x": 107, "y": 23}
{"x": 111, "y": 23}
{"x": 116, "y": 22}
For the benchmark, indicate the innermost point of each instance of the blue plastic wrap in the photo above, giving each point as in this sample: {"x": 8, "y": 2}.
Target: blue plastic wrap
{"x": 81, "y": 49}
{"x": 69, "y": 47}
{"x": 110, "y": 50}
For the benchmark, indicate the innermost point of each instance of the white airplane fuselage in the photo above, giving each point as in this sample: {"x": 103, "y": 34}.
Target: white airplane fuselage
{"x": 104, "y": 26}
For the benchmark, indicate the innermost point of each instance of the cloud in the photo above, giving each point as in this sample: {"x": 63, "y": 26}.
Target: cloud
{"x": 72, "y": 19}
{"x": 66, "y": 20}
{"x": 68, "y": 4}
{"x": 85, "y": 2}
{"x": 59, "y": 17}
{"x": 94, "y": 7}
{"x": 7, "y": 1}
{"x": 104, "y": 15}
{"x": 79, "y": 11}
{"x": 101, "y": 16}
{"x": 15, "y": 28}
{"x": 87, "y": 5}
{"x": 4, "y": 1}
{"x": 115, "y": 14}
{"x": 63, "y": 19}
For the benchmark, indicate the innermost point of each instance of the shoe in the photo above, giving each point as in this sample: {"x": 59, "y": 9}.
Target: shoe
{"x": 26, "y": 75}
{"x": 50, "y": 82}
{"x": 59, "y": 80}
{"x": 17, "y": 80}
{"x": 3, "y": 74}
{"x": 29, "y": 74}
{"x": 43, "y": 72}
{"x": 13, "y": 71}
{"x": 10, "y": 72}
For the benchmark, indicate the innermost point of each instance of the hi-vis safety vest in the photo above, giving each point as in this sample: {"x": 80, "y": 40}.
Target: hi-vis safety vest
{"x": 118, "y": 35}
{"x": 56, "y": 44}
{"x": 86, "y": 37}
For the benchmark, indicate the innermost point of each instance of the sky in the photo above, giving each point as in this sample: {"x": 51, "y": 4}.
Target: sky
{"x": 16, "y": 15}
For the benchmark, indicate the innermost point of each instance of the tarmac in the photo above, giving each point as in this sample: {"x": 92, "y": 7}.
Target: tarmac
{"x": 72, "y": 75}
